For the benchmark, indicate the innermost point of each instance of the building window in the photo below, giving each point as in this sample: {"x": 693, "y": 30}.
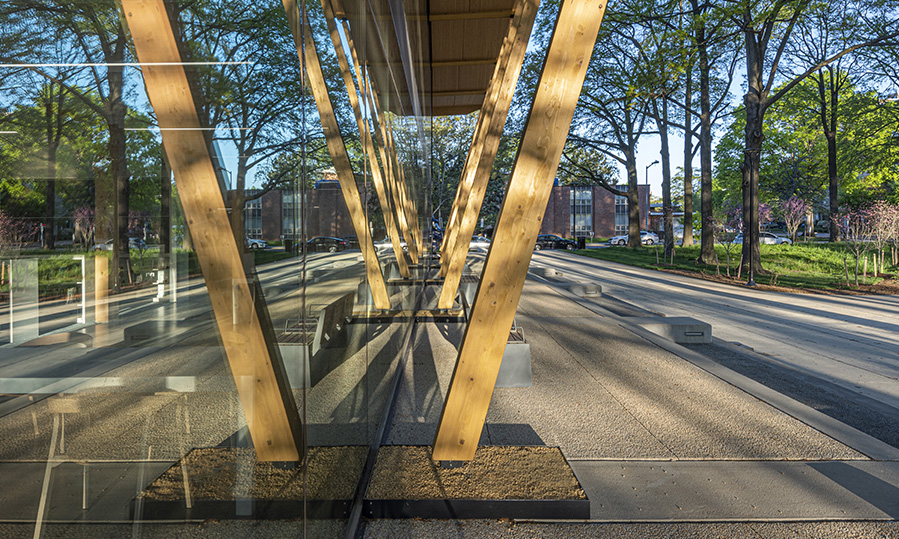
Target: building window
{"x": 621, "y": 212}
{"x": 253, "y": 214}
{"x": 581, "y": 221}
{"x": 290, "y": 208}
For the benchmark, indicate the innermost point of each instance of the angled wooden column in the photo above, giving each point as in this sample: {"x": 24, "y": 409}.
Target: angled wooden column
{"x": 271, "y": 413}
{"x": 495, "y": 111}
{"x": 483, "y": 149}
{"x": 337, "y": 149}
{"x": 368, "y": 146}
{"x": 519, "y": 223}
{"x": 390, "y": 179}
{"x": 408, "y": 201}
{"x": 408, "y": 218}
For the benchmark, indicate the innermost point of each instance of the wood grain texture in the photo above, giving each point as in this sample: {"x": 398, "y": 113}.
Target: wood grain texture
{"x": 337, "y": 149}
{"x": 268, "y": 404}
{"x": 379, "y": 178}
{"x": 480, "y": 163}
{"x": 506, "y": 267}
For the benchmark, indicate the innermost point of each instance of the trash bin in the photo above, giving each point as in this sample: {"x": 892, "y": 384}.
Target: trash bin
{"x": 582, "y": 243}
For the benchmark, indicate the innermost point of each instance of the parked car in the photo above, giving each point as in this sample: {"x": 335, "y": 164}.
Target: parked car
{"x": 766, "y": 238}
{"x": 326, "y": 244}
{"x": 385, "y": 245}
{"x": 646, "y": 238}
{"x": 352, "y": 242}
{"x": 253, "y": 243}
{"x": 551, "y": 241}
{"x": 479, "y": 243}
{"x": 133, "y": 243}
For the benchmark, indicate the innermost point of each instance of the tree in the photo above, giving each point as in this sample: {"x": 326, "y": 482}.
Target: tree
{"x": 612, "y": 114}
{"x": 712, "y": 40}
{"x": 95, "y": 31}
{"x": 763, "y": 25}
{"x": 856, "y": 228}
{"x": 450, "y": 139}
{"x": 884, "y": 223}
{"x": 794, "y": 211}
{"x": 250, "y": 90}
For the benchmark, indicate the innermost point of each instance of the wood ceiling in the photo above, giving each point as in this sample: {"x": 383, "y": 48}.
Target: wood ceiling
{"x": 445, "y": 49}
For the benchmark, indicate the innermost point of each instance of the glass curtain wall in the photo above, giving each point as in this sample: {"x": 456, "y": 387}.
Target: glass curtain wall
{"x": 155, "y": 367}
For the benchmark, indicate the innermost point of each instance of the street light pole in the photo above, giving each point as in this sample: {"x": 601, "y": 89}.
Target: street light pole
{"x": 646, "y": 176}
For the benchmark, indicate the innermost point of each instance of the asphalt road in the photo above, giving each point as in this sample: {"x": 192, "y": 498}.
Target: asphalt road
{"x": 829, "y": 351}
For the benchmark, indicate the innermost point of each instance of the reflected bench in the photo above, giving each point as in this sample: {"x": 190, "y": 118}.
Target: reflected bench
{"x": 302, "y": 339}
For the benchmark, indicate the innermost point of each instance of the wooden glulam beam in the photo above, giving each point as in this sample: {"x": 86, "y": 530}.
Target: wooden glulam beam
{"x": 379, "y": 178}
{"x": 409, "y": 201}
{"x": 482, "y": 153}
{"x": 471, "y": 160}
{"x": 337, "y": 149}
{"x": 471, "y": 15}
{"x": 403, "y": 202}
{"x": 516, "y": 231}
{"x": 271, "y": 413}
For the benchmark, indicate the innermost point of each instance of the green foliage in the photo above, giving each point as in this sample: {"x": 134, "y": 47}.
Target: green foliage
{"x": 794, "y": 151}
{"x": 814, "y": 266}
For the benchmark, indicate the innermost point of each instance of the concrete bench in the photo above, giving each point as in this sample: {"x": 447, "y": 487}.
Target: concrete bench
{"x": 515, "y": 369}
{"x": 159, "y": 332}
{"x": 680, "y": 329}
{"x": 66, "y": 338}
{"x": 585, "y": 290}
{"x": 301, "y": 340}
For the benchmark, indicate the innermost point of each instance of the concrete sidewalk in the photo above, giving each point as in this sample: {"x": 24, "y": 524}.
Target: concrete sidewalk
{"x": 654, "y": 437}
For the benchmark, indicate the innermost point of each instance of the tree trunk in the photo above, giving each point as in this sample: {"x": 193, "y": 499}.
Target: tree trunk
{"x": 753, "y": 140}
{"x": 633, "y": 204}
{"x": 667, "y": 212}
{"x": 833, "y": 180}
{"x": 707, "y": 254}
{"x": 688, "y": 162}
{"x": 238, "y": 200}
{"x": 165, "y": 210}
{"x": 117, "y": 110}
{"x": 50, "y": 198}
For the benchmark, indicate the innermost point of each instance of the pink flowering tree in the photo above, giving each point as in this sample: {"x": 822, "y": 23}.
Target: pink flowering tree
{"x": 884, "y": 229}
{"x": 856, "y": 229}
{"x": 732, "y": 223}
{"x": 794, "y": 211}
{"x": 84, "y": 225}
{"x": 14, "y": 234}
{"x": 766, "y": 214}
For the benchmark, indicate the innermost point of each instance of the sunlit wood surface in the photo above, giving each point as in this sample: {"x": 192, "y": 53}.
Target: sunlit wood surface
{"x": 269, "y": 407}
{"x": 337, "y": 149}
{"x": 519, "y": 223}
{"x": 480, "y": 160}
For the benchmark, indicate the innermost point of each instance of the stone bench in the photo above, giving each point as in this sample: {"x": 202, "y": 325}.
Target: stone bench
{"x": 515, "y": 369}
{"x": 66, "y": 338}
{"x": 680, "y": 329}
{"x": 301, "y": 340}
{"x": 585, "y": 290}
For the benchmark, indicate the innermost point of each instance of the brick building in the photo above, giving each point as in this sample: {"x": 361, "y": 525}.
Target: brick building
{"x": 278, "y": 214}
{"x": 597, "y": 211}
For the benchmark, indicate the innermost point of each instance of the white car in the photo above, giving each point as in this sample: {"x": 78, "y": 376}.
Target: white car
{"x": 479, "y": 243}
{"x": 646, "y": 238}
{"x": 385, "y": 245}
{"x": 253, "y": 243}
{"x": 766, "y": 238}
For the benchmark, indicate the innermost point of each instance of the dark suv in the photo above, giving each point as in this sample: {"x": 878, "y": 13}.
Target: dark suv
{"x": 326, "y": 244}
{"x": 551, "y": 241}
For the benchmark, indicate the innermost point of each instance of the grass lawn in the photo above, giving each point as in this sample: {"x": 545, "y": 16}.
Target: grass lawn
{"x": 808, "y": 266}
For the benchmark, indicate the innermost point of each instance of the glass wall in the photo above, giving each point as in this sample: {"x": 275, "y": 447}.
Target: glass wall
{"x": 156, "y": 366}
